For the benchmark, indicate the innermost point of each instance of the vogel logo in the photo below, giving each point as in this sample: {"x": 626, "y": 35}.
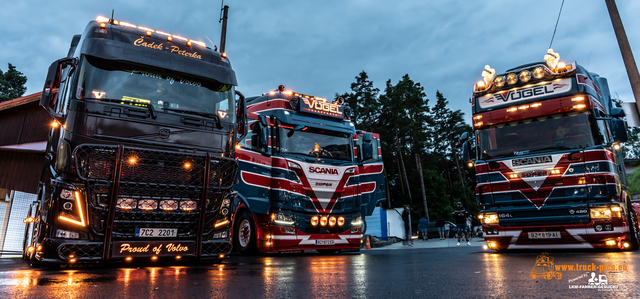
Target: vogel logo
{"x": 525, "y": 94}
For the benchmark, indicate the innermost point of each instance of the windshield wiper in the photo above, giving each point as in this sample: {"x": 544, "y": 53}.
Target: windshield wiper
{"x": 198, "y": 113}
{"x": 555, "y": 147}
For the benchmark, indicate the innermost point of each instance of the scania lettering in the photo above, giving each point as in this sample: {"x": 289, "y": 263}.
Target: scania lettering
{"x": 549, "y": 169}
{"x": 307, "y": 177}
{"x": 140, "y": 162}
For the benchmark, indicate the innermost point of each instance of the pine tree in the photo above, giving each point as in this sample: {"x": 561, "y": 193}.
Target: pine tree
{"x": 12, "y": 84}
{"x": 364, "y": 102}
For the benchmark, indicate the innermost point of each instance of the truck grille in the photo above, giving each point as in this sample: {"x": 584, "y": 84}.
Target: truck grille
{"x": 151, "y": 180}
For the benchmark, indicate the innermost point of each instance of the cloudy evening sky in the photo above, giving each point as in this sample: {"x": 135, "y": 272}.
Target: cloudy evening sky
{"x": 318, "y": 47}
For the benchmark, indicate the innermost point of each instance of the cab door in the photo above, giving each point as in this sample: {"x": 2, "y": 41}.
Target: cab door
{"x": 371, "y": 182}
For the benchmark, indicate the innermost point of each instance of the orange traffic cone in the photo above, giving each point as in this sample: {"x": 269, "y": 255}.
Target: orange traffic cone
{"x": 368, "y": 246}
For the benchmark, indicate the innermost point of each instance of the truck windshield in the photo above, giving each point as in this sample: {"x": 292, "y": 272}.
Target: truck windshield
{"x": 314, "y": 142}
{"x": 556, "y": 132}
{"x": 165, "y": 90}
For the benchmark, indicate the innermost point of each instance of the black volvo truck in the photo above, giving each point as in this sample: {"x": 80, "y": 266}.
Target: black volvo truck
{"x": 140, "y": 162}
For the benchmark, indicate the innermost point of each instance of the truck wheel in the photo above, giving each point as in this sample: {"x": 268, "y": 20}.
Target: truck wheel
{"x": 634, "y": 242}
{"x": 245, "y": 234}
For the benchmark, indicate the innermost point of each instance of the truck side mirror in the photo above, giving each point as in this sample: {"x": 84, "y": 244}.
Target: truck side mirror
{"x": 264, "y": 138}
{"x": 619, "y": 130}
{"x": 263, "y": 120}
{"x": 466, "y": 152}
{"x": 617, "y": 112}
{"x": 367, "y": 146}
{"x": 464, "y": 136}
{"x": 49, "y": 97}
{"x": 243, "y": 117}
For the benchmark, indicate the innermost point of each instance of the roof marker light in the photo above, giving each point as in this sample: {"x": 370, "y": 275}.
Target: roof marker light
{"x": 499, "y": 81}
{"x": 538, "y": 73}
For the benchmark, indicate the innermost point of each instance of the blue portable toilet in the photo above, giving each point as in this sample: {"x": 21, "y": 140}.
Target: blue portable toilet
{"x": 377, "y": 224}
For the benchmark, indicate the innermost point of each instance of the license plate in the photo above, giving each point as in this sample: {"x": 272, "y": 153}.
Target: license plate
{"x": 544, "y": 235}
{"x": 156, "y": 232}
{"x": 325, "y": 242}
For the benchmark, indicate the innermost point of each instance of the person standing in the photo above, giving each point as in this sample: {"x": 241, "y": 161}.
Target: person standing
{"x": 440, "y": 226}
{"x": 422, "y": 226}
{"x": 460, "y": 215}
{"x": 406, "y": 217}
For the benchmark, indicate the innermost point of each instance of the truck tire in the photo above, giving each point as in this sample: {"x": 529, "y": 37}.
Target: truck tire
{"x": 244, "y": 234}
{"x": 634, "y": 242}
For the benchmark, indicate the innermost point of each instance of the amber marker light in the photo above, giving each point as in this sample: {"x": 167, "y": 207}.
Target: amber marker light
{"x": 55, "y": 124}
{"x": 341, "y": 221}
{"x": 610, "y": 242}
{"x": 31, "y": 249}
{"x": 561, "y": 65}
{"x": 579, "y": 106}
{"x": 577, "y": 99}
{"x": 186, "y": 165}
{"x": 169, "y": 38}
{"x": 103, "y": 25}
{"x": 534, "y": 105}
{"x": 332, "y": 221}
{"x": 222, "y": 223}
{"x": 616, "y": 146}
{"x": 470, "y": 164}
{"x": 221, "y": 256}
{"x": 512, "y": 109}
{"x": 132, "y": 160}
{"x": 154, "y": 258}
{"x": 314, "y": 220}
{"x": 323, "y": 221}
{"x": 128, "y": 258}
{"x": 224, "y": 55}
{"x": 189, "y": 43}
{"x": 178, "y": 257}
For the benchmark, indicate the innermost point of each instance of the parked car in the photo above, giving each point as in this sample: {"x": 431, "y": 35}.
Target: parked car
{"x": 449, "y": 230}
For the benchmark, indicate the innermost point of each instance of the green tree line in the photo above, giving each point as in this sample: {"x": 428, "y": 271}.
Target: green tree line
{"x": 12, "y": 84}
{"x": 420, "y": 142}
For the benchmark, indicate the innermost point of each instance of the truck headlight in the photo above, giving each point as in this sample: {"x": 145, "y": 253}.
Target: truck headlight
{"x": 281, "y": 218}
{"x": 489, "y": 218}
{"x": 72, "y": 210}
{"x": 356, "y": 221}
{"x": 605, "y": 212}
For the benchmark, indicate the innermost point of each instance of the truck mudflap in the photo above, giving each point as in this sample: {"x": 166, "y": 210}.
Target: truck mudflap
{"x": 130, "y": 188}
